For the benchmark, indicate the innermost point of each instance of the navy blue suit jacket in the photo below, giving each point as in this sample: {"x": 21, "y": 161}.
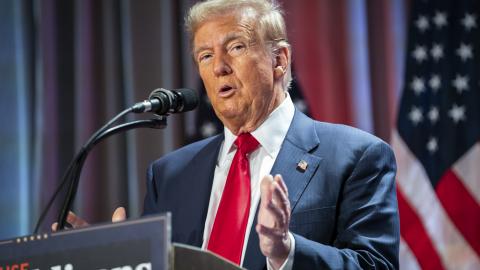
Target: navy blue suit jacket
{"x": 344, "y": 206}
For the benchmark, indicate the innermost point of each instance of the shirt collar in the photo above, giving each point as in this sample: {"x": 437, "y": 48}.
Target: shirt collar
{"x": 270, "y": 134}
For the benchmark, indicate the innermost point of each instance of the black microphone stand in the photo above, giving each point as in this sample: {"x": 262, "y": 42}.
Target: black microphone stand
{"x": 161, "y": 102}
{"x": 72, "y": 174}
{"x": 71, "y": 193}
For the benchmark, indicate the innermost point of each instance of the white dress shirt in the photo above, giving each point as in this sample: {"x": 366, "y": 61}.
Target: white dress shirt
{"x": 270, "y": 134}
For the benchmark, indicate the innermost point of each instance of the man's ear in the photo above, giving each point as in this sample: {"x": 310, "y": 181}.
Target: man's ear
{"x": 281, "y": 62}
{"x": 278, "y": 71}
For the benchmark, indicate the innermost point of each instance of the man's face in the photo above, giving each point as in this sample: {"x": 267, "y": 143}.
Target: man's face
{"x": 237, "y": 71}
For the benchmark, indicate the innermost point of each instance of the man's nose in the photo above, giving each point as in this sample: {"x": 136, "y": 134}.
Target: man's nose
{"x": 221, "y": 66}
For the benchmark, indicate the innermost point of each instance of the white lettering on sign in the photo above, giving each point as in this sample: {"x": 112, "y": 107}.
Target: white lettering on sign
{"x": 142, "y": 266}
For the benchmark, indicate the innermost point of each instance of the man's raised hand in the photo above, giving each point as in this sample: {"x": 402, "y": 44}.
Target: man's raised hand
{"x": 274, "y": 220}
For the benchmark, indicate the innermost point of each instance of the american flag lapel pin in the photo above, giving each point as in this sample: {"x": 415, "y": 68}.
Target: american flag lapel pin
{"x": 302, "y": 166}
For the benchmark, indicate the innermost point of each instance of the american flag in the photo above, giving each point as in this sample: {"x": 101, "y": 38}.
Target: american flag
{"x": 437, "y": 138}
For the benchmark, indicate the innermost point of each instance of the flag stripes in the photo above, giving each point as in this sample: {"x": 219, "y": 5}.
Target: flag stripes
{"x": 460, "y": 207}
{"x": 416, "y": 190}
{"x": 406, "y": 258}
{"x": 414, "y": 231}
{"x": 468, "y": 170}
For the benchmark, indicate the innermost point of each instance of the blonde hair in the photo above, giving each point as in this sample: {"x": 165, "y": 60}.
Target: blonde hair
{"x": 266, "y": 13}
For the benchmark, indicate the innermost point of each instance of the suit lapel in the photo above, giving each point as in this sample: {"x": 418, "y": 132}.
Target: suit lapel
{"x": 301, "y": 139}
{"x": 198, "y": 186}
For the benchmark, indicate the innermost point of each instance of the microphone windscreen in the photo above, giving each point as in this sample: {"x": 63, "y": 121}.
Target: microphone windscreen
{"x": 190, "y": 98}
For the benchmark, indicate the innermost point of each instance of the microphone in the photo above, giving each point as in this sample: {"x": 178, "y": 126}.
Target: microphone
{"x": 163, "y": 101}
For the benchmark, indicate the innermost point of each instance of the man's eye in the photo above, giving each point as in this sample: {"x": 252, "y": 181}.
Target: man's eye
{"x": 238, "y": 48}
{"x": 204, "y": 57}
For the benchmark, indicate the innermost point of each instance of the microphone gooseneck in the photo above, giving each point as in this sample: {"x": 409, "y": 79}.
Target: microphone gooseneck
{"x": 161, "y": 102}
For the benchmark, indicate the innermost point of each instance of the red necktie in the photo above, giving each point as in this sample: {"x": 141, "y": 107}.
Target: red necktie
{"x": 230, "y": 224}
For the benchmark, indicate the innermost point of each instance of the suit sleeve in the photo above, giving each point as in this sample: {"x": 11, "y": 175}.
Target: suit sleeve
{"x": 367, "y": 229}
{"x": 150, "y": 202}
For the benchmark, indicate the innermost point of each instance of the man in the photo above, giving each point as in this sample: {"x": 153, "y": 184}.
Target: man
{"x": 331, "y": 203}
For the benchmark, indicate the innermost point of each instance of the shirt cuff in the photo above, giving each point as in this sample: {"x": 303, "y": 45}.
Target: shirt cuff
{"x": 288, "y": 264}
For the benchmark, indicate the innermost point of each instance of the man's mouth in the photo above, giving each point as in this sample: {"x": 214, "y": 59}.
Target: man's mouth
{"x": 226, "y": 90}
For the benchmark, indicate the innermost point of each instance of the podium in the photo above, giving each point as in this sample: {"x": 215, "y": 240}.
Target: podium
{"x": 141, "y": 244}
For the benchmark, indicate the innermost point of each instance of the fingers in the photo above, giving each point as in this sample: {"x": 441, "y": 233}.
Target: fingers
{"x": 73, "y": 220}
{"x": 54, "y": 227}
{"x": 280, "y": 198}
{"x": 119, "y": 214}
{"x": 279, "y": 213}
{"x": 76, "y": 221}
{"x": 279, "y": 205}
{"x": 265, "y": 192}
{"x": 270, "y": 232}
{"x": 274, "y": 196}
{"x": 281, "y": 183}
{"x": 274, "y": 220}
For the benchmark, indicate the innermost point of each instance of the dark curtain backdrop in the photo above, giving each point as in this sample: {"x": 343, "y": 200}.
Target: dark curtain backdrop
{"x": 67, "y": 67}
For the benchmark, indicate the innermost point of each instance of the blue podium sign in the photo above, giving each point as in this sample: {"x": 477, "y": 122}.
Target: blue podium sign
{"x": 141, "y": 244}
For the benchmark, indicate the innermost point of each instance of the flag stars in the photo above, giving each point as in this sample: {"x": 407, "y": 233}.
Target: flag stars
{"x": 436, "y": 51}
{"x": 417, "y": 85}
{"x": 415, "y": 115}
{"x": 422, "y": 23}
{"x": 457, "y": 113}
{"x": 460, "y": 83}
{"x": 420, "y": 54}
{"x": 432, "y": 145}
{"x": 433, "y": 115}
{"x": 440, "y": 19}
{"x": 469, "y": 21}
{"x": 465, "y": 52}
{"x": 435, "y": 83}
